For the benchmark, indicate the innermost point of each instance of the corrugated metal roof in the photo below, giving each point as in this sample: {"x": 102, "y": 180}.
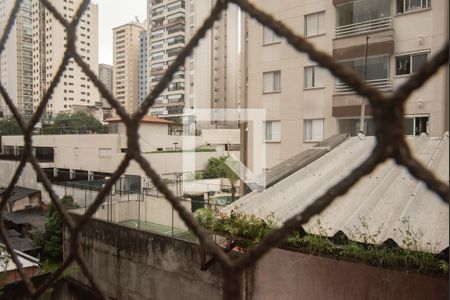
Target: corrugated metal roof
{"x": 382, "y": 200}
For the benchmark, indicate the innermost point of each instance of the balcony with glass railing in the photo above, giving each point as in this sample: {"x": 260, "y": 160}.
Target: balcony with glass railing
{"x": 362, "y": 17}
{"x": 383, "y": 84}
{"x": 364, "y": 27}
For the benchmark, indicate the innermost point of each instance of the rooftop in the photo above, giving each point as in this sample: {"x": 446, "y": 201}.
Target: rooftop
{"x": 145, "y": 119}
{"x": 36, "y": 217}
{"x": 19, "y": 193}
{"x": 388, "y": 199}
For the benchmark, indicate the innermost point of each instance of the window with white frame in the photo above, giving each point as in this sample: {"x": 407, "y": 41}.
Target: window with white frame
{"x": 104, "y": 152}
{"x": 315, "y": 24}
{"x": 313, "y": 130}
{"x": 273, "y": 130}
{"x": 314, "y": 77}
{"x": 410, "y": 63}
{"x": 272, "y": 82}
{"x": 404, "y": 6}
{"x": 270, "y": 37}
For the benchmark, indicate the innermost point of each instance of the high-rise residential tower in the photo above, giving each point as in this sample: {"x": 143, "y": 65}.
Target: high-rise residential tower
{"x": 209, "y": 78}
{"x": 143, "y": 70}
{"x": 16, "y": 65}
{"x": 105, "y": 74}
{"x": 126, "y": 43}
{"x": 49, "y": 46}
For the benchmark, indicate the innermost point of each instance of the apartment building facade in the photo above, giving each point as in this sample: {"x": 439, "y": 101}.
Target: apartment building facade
{"x": 209, "y": 78}
{"x": 306, "y": 104}
{"x": 126, "y": 51}
{"x": 143, "y": 70}
{"x": 49, "y": 44}
{"x": 16, "y": 64}
{"x": 105, "y": 74}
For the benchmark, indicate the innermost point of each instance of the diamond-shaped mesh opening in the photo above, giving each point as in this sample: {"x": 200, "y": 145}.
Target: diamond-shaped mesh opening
{"x": 388, "y": 118}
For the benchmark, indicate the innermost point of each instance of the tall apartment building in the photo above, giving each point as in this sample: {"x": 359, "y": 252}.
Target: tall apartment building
{"x": 209, "y": 78}
{"x": 16, "y": 66}
{"x": 49, "y": 44}
{"x": 143, "y": 70}
{"x": 105, "y": 74}
{"x": 306, "y": 104}
{"x": 126, "y": 43}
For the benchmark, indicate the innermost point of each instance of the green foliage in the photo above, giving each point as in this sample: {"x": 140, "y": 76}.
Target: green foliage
{"x": 214, "y": 168}
{"x": 9, "y": 126}
{"x": 79, "y": 122}
{"x": 248, "y": 230}
{"x": 51, "y": 239}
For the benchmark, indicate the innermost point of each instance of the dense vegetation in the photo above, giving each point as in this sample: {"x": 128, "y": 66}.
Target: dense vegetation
{"x": 79, "y": 122}
{"x": 51, "y": 240}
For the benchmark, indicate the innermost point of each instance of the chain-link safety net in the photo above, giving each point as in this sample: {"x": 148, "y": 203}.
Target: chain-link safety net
{"x": 388, "y": 113}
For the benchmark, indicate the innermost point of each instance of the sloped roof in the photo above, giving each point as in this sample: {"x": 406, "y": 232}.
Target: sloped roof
{"x": 145, "y": 119}
{"x": 383, "y": 199}
{"x": 19, "y": 193}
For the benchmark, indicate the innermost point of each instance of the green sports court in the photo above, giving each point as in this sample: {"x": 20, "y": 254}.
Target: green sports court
{"x": 160, "y": 229}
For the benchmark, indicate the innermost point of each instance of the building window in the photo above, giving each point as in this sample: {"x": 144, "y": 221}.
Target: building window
{"x": 270, "y": 37}
{"x": 416, "y": 125}
{"x": 272, "y": 82}
{"x": 412, "y": 5}
{"x": 410, "y": 63}
{"x": 377, "y": 73}
{"x": 273, "y": 131}
{"x": 313, "y": 130}
{"x": 315, "y": 24}
{"x": 104, "y": 152}
{"x": 314, "y": 77}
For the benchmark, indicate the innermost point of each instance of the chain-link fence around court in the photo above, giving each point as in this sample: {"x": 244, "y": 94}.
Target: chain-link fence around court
{"x": 388, "y": 113}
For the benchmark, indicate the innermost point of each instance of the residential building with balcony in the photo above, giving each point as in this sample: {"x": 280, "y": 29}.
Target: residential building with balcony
{"x": 126, "y": 64}
{"x": 306, "y": 104}
{"x": 16, "y": 65}
{"x": 49, "y": 43}
{"x": 209, "y": 78}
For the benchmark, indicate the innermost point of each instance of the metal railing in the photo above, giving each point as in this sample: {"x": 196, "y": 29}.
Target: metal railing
{"x": 388, "y": 115}
{"x": 384, "y": 84}
{"x": 364, "y": 27}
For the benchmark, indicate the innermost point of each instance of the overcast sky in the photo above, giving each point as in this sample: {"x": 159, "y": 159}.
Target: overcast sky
{"x": 113, "y": 13}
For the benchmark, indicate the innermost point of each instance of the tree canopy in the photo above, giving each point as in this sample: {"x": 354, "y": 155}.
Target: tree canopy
{"x": 51, "y": 240}
{"x": 9, "y": 126}
{"x": 79, "y": 122}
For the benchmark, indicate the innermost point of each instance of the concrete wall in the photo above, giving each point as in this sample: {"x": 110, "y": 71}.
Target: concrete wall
{"x": 220, "y": 136}
{"x": 132, "y": 264}
{"x": 21, "y": 204}
{"x": 141, "y": 265}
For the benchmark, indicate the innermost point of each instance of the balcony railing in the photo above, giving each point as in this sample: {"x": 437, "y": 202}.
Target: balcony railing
{"x": 382, "y": 84}
{"x": 364, "y": 27}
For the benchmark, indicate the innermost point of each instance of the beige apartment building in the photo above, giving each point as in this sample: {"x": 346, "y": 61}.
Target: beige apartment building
{"x": 305, "y": 104}
{"x": 126, "y": 43}
{"x": 209, "y": 78}
{"x": 105, "y": 74}
{"x": 16, "y": 64}
{"x": 49, "y": 44}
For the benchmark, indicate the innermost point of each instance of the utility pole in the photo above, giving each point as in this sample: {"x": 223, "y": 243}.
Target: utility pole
{"x": 363, "y": 102}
